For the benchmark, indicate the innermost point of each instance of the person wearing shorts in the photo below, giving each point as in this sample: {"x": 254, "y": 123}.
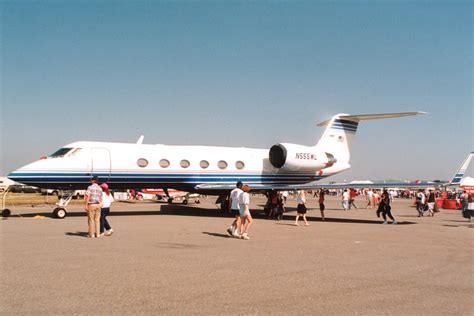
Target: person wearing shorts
{"x": 301, "y": 209}
{"x": 234, "y": 229}
{"x": 245, "y": 216}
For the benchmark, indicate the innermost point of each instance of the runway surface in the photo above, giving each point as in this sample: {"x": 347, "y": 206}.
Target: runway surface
{"x": 175, "y": 259}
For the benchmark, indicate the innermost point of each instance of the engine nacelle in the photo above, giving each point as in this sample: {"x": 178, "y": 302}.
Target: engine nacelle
{"x": 292, "y": 157}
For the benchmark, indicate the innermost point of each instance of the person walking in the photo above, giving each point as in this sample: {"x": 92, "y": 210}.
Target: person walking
{"x": 245, "y": 216}
{"x": 470, "y": 206}
{"x": 345, "y": 200}
{"x": 352, "y": 195}
{"x": 420, "y": 202}
{"x": 234, "y": 229}
{"x": 321, "y": 203}
{"x": 93, "y": 200}
{"x": 385, "y": 208}
{"x": 431, "y": 203}
{"x": 370, "y": 197}
{"x": 301, "y": 208}
{"x": 107, "y": 199}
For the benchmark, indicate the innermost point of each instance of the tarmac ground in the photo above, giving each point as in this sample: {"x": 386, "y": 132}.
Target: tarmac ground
{"x": 176, "y": 259}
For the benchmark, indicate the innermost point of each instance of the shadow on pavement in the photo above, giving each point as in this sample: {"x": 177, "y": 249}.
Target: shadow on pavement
{"x": 77, "y": 234}
{"x": 217, "y": 235}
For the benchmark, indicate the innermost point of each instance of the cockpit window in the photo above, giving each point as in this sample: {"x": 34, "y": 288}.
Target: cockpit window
{"x": 75, "y": 151}
{"x": 61, "y": 152}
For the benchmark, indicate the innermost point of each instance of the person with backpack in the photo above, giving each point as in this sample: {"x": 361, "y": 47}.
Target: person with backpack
{"x": 385, "y": 209}
{"x": 420, "y": 202}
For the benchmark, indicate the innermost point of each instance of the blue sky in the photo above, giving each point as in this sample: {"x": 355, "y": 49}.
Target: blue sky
{"x": 240, "y": 73}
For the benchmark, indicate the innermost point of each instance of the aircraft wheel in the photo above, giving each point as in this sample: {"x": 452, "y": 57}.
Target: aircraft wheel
{"x": 197, "y": 202}
{"x": 59, "y": 212}
{"x": 170, "y": 201}
{"x": 185, "y": 202}
{"x": 6, "y": 213}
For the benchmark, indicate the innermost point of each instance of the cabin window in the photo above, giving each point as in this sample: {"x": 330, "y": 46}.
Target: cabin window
{"x": 204, "y": 164}
{"x": 142, "y": 162}
{"x": 239, "y": 165}
{"x": 184, "y": 163}
{"x": 164, "y": 163}
{"x": 222, "y": 164}
{"x": 60, "y": 153}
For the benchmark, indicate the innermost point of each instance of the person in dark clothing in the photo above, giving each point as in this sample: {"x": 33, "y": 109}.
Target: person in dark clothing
{"x": 431, "y": 203}
{"x": 321, "y": 203}
{"x": 385, "y": 208}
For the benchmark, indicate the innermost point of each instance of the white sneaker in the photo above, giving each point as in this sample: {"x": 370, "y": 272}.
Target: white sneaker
{"x": 109, "y": 232}
{"x": 236, "y": 234}
{"x": 244, "y": 236}
{"x": 385, "y": 222}
{"x": 394, "y": 223}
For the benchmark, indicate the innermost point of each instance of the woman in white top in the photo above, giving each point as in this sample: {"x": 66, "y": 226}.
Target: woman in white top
{"x": 245, "y": 216}
{"x": 301, "y": 209}
{"x": 470, "y": 206}
{"x": 107, "y": 199}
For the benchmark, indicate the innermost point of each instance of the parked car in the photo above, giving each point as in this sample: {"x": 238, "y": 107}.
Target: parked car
{"x": 20, "y": 188}
{"x": 76, "y": 194}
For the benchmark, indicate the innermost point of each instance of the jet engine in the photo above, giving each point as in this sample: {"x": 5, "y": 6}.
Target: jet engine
{"x": 292, "y": 157}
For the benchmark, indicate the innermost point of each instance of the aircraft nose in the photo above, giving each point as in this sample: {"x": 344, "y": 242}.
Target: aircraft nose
{"x": 14, "y": 175}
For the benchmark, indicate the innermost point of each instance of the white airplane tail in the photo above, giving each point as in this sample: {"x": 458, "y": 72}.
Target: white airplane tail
{"x": 341, "y": 129}
{"x": 462, "y": 169}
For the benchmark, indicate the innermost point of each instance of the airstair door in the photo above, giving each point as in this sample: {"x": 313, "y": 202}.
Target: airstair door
{"x": 101, "y": 163}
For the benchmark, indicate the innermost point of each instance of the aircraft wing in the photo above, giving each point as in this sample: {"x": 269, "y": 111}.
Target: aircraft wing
{"x": 374, "y": 185}
{"x": 316, "y": 185}
{"x": 253, "y": 187}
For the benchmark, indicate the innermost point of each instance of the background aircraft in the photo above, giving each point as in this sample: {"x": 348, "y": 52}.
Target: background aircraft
{"x": 455, "y": 181}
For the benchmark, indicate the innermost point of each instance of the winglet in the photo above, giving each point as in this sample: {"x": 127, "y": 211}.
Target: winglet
{"x": 140, "y": 140}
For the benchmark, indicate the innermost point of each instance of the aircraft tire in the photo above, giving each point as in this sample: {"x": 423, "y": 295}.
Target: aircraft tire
{"x": 170, "y": 201}
{"x": 185, "y": 202}
{"x": 60, "y": 213}
{"x": 6, "y": 213}
{"x": 197, "y": 202}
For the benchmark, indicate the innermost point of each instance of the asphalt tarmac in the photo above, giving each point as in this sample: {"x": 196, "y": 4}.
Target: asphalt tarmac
{"x": 175, "y": 259}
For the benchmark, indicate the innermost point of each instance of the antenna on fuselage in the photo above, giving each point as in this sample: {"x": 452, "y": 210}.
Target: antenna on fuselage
{"x": 140, "y": 140}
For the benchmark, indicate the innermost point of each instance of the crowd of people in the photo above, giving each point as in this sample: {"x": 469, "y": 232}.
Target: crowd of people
{"x": 98, "y": 200}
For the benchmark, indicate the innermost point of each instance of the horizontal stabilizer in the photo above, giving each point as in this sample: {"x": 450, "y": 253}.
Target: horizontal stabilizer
{"x": 364, "y": 117}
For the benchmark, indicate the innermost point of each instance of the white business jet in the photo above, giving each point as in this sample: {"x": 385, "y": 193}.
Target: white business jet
{"x": 198, "y": 169}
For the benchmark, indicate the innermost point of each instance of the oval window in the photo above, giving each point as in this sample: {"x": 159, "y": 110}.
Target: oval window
{"x": 184, "y": 163}
{"x": 222, "y": 164}
{"x": 164, "y": 163}
{"x": 142, "y": 162}
{"x": 239, "y": 165}
{"x": 204, "y": 164}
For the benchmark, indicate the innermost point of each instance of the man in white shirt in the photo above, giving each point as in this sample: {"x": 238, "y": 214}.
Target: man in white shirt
{"x": 234, "y": 229}
{"x": 420, "y": 202}
{"x": 345, "y": 200}
{"x": 370, "y": 197}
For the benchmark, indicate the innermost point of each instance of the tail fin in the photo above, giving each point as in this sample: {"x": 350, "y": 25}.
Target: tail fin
{"x": 341, "y": 129}
{"x": 462, "y": 169}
